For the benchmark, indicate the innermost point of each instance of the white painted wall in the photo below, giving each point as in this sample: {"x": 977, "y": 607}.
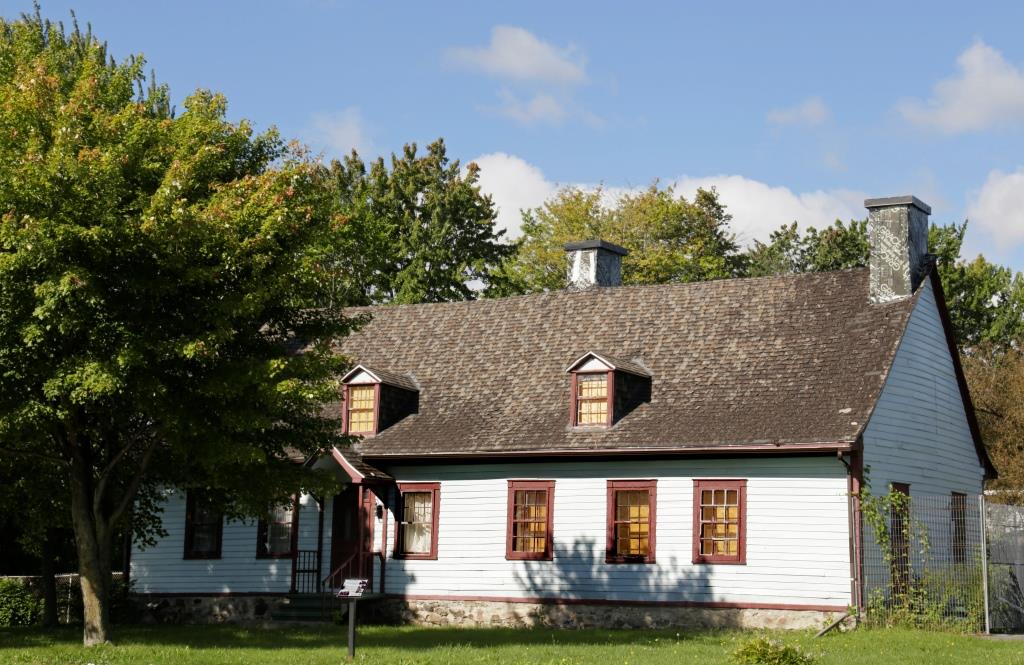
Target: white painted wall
{"x": 918, "y": 433}
{"x": 797, "y": 534}
{"x": 162, "y": 568}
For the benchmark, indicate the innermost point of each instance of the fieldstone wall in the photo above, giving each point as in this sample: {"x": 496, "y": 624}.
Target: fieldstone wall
{"x": 152, "y": 609}
{"x": 522, "y": 615}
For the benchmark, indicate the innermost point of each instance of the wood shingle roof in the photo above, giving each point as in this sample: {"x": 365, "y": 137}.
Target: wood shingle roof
{"x": 791, "y": 360}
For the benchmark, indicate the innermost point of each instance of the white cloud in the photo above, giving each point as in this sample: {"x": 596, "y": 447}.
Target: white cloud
{"x": 542, "y": 108}
{"x": 997, "y": 209}
{"x": 517, "y": 54}
{"x": 339, "y": 132}
{"x": 757, "y": 208}
{"x": 986, "y": 92}
{"x": 514, "y": 184}
{"x": 810, "y": 112}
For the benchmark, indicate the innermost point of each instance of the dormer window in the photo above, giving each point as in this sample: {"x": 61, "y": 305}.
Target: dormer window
{"x": 374, "y": 400}
{"x": 592, "y": 407}
{"x": 362, "y": 403}
{"x": 605, "y": 389}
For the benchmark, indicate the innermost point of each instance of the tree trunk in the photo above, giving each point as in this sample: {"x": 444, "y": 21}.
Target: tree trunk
{"x": 49, "y": 583}
{"x": 93, "y": 541}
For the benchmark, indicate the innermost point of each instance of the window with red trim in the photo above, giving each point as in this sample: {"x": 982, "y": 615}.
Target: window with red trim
{"x": 631, "y": 521}
{"x": 719, "y": 521}
{"x": 276, "y": 533}
{"x": 416, "y": 526}
{"x": 592, "y": 399}
{"x": 530, "y": 505}
{"x": 361, "y": 408}
{"x": 203, "y": 527}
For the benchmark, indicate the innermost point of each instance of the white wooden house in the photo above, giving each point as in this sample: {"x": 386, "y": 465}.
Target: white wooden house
{"x": 615, "y": 455}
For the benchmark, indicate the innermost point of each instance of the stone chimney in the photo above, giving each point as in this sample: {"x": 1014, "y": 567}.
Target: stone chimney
{"x": 594, "y": 263}
{"x": 898, "y": 233}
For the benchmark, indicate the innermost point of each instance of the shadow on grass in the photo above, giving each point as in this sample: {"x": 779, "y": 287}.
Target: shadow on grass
{"x": 329, "y": 636}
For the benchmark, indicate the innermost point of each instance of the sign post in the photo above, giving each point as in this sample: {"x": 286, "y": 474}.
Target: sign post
{"x": 352, "y": 590}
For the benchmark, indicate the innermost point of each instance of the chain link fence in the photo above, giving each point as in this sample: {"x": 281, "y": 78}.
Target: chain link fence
{"x": 69, "y": 593}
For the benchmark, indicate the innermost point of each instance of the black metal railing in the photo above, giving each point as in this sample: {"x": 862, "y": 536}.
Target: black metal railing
{"x": 307, "y": 571}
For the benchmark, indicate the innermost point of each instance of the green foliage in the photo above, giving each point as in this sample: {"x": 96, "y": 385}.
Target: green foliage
{"x": 420, "y": 231}
{"x": 158, "y": 273}
{"x": 670, "y": 239}
{"x": 986, "y": 301}
{"x": 18, "y": 605}
{"x": 765, "y": 651}
{"x": 787, "y": 251}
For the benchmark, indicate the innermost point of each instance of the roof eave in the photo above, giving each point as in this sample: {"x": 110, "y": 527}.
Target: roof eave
{"x": 654, "y": 451}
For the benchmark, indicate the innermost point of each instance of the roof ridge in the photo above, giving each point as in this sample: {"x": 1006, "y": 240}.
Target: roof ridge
{"x": 608, "y": 289}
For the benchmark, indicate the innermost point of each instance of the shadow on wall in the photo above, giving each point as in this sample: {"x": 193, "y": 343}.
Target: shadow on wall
{"x": 582, "y": 590}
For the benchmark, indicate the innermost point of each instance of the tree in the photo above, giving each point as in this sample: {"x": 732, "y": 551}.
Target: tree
{"x": 787, "y": 251}
{"x": 419, "y": 232}
{"x": 986, "y": 301}
{"x": 996, "y": 378}
{"x": 156, "y": 280}
{"x": 669, "y": 238}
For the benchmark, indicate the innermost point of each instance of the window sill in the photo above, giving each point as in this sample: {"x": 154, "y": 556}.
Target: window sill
{"x": 200, "y": 557}
{"x": 286, "y": 555}
{"x": 719, "y": 562}
{"x": 629, "y": 559}
{"x": 512, "y": 556}
{"x": 415, "y": 557}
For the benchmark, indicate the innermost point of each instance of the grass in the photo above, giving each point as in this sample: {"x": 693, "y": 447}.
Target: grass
{"x": 192, "y": 645}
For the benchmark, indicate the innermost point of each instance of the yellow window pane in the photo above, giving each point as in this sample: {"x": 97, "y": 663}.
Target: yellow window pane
{"x": 731, "y": 497}
{"x": 360, "y": 421}
{"x": 733, "y": 513}
{"x": 706, "y": 498}
{"x": 733, "y": 546}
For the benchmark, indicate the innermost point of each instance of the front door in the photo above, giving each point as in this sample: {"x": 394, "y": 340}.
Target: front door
{"x": 352, "y": 532}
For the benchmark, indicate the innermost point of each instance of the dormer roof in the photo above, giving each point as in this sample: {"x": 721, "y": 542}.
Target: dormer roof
{"x": 610, "y": 362}
{"x": 380, "y": 376}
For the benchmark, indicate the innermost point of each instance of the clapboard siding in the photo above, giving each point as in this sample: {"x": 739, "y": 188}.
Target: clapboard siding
{"x": 919, "y": 433}
{"x": 797, "y": 534}
{"x": 162, "y": 568}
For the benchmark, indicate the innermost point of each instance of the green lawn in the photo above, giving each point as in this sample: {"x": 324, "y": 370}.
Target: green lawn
{"x": 187, "y": 645}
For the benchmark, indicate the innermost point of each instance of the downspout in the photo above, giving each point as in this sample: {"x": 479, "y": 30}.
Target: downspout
{"x": 320, "y": 543}
{"x": 854, "y": 483}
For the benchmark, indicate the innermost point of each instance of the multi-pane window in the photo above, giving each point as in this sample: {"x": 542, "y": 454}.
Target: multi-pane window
{"x": 361, "y": 409}
{"x": 417, "y": 527}
{"x": 592, "y": 399}
{"x": 275, "y": 533}
{"x": 719, "y": 518}
{"x": 203, "y": 527}
{"x": 529, "y": 519}
{"x": 631, "y": 507}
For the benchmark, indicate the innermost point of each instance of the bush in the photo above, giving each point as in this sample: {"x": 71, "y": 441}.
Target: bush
{"x": 18, "y": 605}
{"x": 765, "y": 651}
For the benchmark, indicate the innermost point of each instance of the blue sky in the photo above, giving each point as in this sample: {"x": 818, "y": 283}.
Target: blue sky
{"x": 796, "y": 111}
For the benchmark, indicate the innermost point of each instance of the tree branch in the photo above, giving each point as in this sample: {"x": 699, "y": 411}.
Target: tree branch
{"x": 133, "y": 486}
{"x": 35, "y": 455}
{"x": 101, "y": 482}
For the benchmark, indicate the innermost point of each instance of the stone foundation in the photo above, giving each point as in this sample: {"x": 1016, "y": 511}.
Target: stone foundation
{"x": 205, "y": 609}
{"x": 471, "y": 613}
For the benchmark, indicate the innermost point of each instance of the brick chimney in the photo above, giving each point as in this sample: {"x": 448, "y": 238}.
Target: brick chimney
{"x": 898, "y": 233}
{"x": 594, "y": 263}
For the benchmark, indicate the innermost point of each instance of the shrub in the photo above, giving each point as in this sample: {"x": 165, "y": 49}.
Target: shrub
{"x": 766, "y": 651}
{"x": 18, "y": 605}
